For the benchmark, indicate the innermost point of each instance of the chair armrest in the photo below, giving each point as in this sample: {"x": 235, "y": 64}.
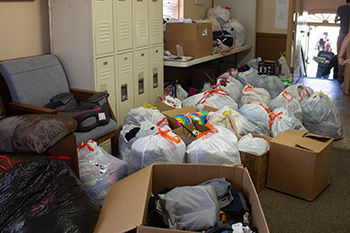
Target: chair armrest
{"x": 20, "y": 108}
{"x": 81, "y": 94}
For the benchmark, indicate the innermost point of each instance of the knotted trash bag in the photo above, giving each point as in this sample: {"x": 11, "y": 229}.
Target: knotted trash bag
{"x": 137, "y": 115}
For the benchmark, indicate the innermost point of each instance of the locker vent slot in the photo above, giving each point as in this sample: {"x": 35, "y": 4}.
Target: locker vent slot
{"x": 142, "y": 28}
{"x": 124, "y": 30}
{"x": 104, "y": 32}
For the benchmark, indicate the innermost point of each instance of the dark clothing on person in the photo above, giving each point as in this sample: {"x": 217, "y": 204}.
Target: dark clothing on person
{"x": 344, "y": 14}
{"x": 322, "y": 66}
{"x": 333, "y": 64}
{"x": 321, "y": 44}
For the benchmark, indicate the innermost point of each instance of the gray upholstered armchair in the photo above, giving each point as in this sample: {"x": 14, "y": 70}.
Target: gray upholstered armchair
{"x": 27, "y": 85}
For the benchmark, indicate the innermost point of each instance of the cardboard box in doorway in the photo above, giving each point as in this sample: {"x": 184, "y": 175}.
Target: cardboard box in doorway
{"x": 196, "y": 39}
{"x": 299, "y": 163}
{"x": 125, "y": 207}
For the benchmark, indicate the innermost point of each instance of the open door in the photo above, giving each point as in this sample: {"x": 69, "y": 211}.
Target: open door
{"x": 296, "y": 37}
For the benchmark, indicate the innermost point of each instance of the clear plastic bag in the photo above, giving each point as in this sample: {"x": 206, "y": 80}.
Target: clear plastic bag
{"x": 300, "y": 91}
{"x": 253, "y": 145}
{"x": 98, "y": 170}
{"x": 217, "y": 146}
{"x": 321, "y": 116}
{"x": 237, "y": 29}
{"x": 286, "y": 99}
{"x": 248, "y": 76}
{"x": 270, "y": 83}
{"x": 161, "y": 147}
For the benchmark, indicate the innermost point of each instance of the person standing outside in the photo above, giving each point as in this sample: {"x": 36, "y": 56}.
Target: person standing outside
{"x": 323, "y": 58}
{"x": 343, "y": 14}
{"x": 322, "y": 42}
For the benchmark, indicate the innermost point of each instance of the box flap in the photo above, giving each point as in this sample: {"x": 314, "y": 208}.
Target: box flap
{"x": 208, "y": 108}
{"x": 316, "y": 144}
{"x": 119, "y": 212}
{"x": 286, "y": 139}
{"x": 296, "y": 132}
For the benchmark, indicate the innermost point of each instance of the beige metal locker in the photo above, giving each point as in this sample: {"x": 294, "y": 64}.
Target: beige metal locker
{"x": 155, "y": 21}
{"x": 141, "y": 77}
{"x": 103, "y": 26}
{"x": 124, "y": 85}
{"x": 140, "y": 15}
{"x": 123, "y": 22}
{"x": 105, "y": 78}
{"x": 156, "y": 71}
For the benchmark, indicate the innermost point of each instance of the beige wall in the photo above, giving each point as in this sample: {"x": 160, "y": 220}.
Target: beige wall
{"x": 193, "y": 11}
{"x": 24, "y": 28}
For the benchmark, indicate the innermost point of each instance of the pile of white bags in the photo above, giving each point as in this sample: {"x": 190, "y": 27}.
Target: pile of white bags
{"x": 217, "y": 146}
{"x": 98, "y": 170}
{"x": 162, "y": 147}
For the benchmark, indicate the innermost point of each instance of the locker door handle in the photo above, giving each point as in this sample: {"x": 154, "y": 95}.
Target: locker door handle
{"x": 124, "y": 92}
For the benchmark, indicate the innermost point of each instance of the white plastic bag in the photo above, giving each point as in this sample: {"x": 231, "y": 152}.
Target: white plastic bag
{"x": 300, "y": 91}
{"x": 286, "y": 99}
{"x": 285, "y": 68}
{"x": 218, "y": 16}
{"x": 321, "y": 116}
{"x": 217, "y": 146}
{"x": 237, "y": 30}
{"x": 258, "y": 118}
{"x": 232, "y": 86}
{"x": 130, "y": 133}
{"x": 180, "y": 92}
{"x": 282, "y": 119}
{"x": 216, "y": 98}
{"x": 255, "y": 94}
{"x": 248, "y": 76}
{"x": 253, "y": 145}
{"x": 270, "y": 83}
{"x": 98, "y": 170}
{"x": 137, "y": 115}
{"x": 161, "y": 147}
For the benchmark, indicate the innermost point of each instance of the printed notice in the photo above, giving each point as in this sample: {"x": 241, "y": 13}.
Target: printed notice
{"x": 281, "y": 14}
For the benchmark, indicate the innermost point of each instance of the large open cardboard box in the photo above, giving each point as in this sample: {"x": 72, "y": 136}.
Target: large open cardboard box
{"x": 299, "y": 163}
{"x": 196, "y": 39}
{"x": 257, "y": 165}
{"x": 125, "y": 207}
{"x": 176, "y": 111}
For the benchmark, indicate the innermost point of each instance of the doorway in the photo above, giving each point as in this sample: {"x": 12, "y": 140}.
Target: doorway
{"x": 318, "y": 24}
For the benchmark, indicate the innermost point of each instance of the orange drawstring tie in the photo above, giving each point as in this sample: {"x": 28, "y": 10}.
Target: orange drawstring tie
{"x": 165, "y": 135}
{"x": 207, "y": 94}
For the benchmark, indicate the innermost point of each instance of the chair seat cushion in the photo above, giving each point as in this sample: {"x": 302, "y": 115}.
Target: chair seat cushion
{"x": 96, "y": 133}
{"x": 33, "y": 132}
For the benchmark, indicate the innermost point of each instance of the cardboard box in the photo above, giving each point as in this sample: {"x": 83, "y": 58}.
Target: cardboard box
{"x": 125, "y": 207}
{"x": 299, "y": 163}
{"x": 171, "y": 113}
{"x": 185, "y": 135}
{"x": 162, "y": 106}
{"x": 257, "y": 165}
{"x": 196, "y": 39}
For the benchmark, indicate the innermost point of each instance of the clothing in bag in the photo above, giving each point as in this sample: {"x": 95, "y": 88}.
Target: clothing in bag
{"x": 217, "y": 146}
{"x": 137, "y": 115}
{"x": 217, "y": 98}
{"x": 130, "y": 133}
{"x": 258, "y": 117}
{"x": 281, "y": 120}
{"x": 255, "y": 94}
{"x": 192, "y": 208}
{"x": 161, "y": 147}
{"x": 253, "y": 145}
{"x": 286, "y": 99}
{"x": 99, "y": 170}
{"x": 237, "y": 30}
{"x": 321, "y": 116}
